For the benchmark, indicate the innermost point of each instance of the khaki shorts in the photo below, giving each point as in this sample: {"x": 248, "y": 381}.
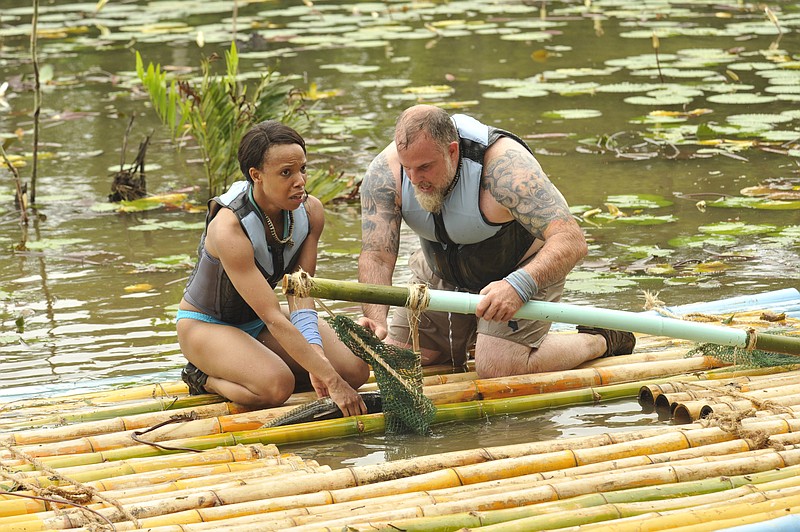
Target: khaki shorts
{"x": 454, "y": 335}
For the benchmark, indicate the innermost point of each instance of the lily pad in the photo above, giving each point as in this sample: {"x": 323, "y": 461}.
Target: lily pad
{"x": 701, "y": 241}
{"x": 175, "y": 225}
{"x": 755, "y": 203}
{"x": 736, "y": 228}
{"x": 572, "y": 114}
{"x": 758, "y": 120}
{"x": 594, "y": 283}
{"x": 642, "y": 251}
{"x": 54, "y": 243}
{"x": 349, "y": 68}
{"x": 740, "y": 98}
{"x": 659, "y": 100}
{"x": 634, "y": 219}
{"x": 639, "y": 201}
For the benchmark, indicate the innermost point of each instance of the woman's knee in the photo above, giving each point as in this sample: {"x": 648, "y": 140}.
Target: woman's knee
{"x": 274, "y": 394}
{"x": 354, "y": 371}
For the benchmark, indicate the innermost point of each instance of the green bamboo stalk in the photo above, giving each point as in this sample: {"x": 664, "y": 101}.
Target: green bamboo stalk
{"x": 110, "y": 413}
{"x": 100, "y": 397}
{"x": 343, "y": 427}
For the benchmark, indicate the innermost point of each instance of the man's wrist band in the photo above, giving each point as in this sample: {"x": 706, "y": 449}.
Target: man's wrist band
{"x": 523, "y": 283}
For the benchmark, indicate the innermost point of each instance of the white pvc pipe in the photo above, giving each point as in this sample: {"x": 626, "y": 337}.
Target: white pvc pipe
{"x": 464, "y": 303}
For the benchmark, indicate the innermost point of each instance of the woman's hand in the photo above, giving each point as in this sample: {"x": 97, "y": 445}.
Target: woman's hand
{"x": 346, "y": 398}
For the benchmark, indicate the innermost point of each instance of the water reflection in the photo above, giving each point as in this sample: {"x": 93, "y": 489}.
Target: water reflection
{"x": 584, "y": 420}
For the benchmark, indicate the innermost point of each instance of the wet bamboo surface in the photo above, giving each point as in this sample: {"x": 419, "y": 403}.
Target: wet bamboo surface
{"x": 727, "y": 452}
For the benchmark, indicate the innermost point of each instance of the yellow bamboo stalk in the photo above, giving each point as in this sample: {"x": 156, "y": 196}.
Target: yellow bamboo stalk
{"x": 384, "y": 502}
{"x": 159, "y": 477}
{"x": 638, "y": 356}
{"x": 649, "y": 393}
{"x": 152, "y": 523}
{"x": 689, "y": 411}
{"x": 102, "y": 470}
{"x": 689, "y": 494}
{"x": 698, "y": 519}
{"x": 761, "y": 517}
{"x": 165, "y": 389}
{"x": 513, "y": 498}
{"x": 117, "y": 424}
{"x": 371, "y": 498}
{"x": 666, "y": 402}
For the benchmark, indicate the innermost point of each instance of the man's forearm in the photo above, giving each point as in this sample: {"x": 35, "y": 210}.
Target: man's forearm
{"x": 374, "y": 269}
{"x": 560, "y": 254}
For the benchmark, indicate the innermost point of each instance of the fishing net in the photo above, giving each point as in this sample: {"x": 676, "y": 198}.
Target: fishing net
{"x": 744, "y": 357}
{"x": 398, "y": 373}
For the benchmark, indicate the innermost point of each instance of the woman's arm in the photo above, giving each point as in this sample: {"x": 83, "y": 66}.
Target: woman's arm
{"x": 227, "y": 241}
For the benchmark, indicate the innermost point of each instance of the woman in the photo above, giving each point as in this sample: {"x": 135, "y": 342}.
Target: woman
{"x": 238, "y": 341}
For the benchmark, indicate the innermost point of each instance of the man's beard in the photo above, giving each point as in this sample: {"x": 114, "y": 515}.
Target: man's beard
{"x": 433, "y": 200}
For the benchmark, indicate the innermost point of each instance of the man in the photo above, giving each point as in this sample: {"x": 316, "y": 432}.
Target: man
{"x": 490, "y": 222}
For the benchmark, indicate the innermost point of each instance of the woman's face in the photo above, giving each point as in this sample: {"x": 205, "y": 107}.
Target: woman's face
{"x": 282, "y": 177}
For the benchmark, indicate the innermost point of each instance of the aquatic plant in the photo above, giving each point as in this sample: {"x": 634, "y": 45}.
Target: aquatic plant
{"x": 219, "y": 110}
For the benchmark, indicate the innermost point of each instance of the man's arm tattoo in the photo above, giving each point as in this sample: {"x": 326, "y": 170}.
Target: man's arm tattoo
{"x": 380, "y": 215}
{"x": 518, "y": 183}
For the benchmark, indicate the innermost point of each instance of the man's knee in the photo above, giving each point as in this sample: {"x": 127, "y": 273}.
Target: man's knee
{"x": 495, "y": 357}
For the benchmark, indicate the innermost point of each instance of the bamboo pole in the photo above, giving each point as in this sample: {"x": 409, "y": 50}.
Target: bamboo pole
{"x": 649, "y": 394}
{"x": 677, "y": 495}
{"x": 648, "y": 446}
{"x": 665, "y": 403}
{"x": 328, "y": 509}
{"x": 689, "y": 411}
{"x": 542, "y": 493}
{"x": 444, "y": 396}
{"x": 465, "y": 303}
{"x": 82, "y": 414}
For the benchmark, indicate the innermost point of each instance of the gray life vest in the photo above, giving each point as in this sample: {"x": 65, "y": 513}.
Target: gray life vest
{"x": 459, "y": 244}
{"x": 209, "y": 288}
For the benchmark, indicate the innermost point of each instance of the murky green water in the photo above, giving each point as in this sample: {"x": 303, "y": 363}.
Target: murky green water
{"x": 612, "y": 123}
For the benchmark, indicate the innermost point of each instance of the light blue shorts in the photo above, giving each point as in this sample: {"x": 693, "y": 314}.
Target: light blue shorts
{"x": 253, "y": 328}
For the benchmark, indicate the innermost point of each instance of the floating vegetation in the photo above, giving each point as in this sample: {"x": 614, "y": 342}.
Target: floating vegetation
{"x": 615, "y": 215}
{"x": 598, "y": 283}
{"x": 643, "y": 251}
{"x": 701, "y": 241}
{"x": 172, "y": 225}
{"x": 54, "y": 243}
{"x": 639, "y": 201}
{"x": 572, "y": 114}
{"x": 736, "y": 228}
{"x": 149, "y": 203}
{"x": 180, "y": 262}
{"x": 755, "y": 203}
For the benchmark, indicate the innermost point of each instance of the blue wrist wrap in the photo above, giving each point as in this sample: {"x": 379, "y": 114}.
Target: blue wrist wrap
{"x": 523, "y": 283}
{"x": 305, "y": 319}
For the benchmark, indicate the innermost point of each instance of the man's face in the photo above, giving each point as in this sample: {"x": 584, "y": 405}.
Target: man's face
{"x": 430, "y": 170}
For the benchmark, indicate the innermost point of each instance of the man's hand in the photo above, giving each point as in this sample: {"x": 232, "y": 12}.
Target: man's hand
{"x": 378, "y": 329}
{"x": 500, "y": 302}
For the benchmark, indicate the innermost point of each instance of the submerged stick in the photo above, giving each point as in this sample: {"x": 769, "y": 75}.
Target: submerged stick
{"x": 465, "y": 303}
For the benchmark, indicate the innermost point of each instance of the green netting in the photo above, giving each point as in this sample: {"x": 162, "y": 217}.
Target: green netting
{"x": 398, "y": 373}
{"x": 740, "y": 356}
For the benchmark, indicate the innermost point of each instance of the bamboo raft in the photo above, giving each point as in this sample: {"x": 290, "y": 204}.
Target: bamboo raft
{"x": 727, "y": 453}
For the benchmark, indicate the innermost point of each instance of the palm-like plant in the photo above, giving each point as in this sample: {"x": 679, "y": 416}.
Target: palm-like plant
{"x": 218, "y": 111}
